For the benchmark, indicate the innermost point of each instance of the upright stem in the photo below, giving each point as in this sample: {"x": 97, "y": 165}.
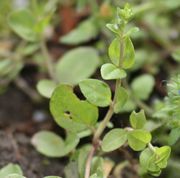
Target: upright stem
{"x": 103, "y": 124}
{"x": 88, "y": 163}
{"x": 106, "y": 119}
{"x": 49, "y": 60}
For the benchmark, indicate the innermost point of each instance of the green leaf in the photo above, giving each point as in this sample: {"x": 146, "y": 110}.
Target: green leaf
{"x": 46, "y": 87}
{"x": 145, "y": 157}
{"x": 153, "y": 162}
{"x": 96, "y": 92}
{"x": 129, "y": 106}
{"x": 71, "y": 170}
{"x": 122, "y": 97}
{"x": 142, "y": 86}
{"x": 138, "y": 120}
{"x": 176, "y": 55}
{"x": 30, "y": 49}
{"x": 132, "y": 30}
{"x": 95, "y": 176}
{"x": 110, "y": 72}
{"x": 97, "y": 165}
{"x": 82, "y": 157}
{"x": 71, "y": 125}
{"x": 137, "y": 139}
{"x": 10, "y": 169}
{"x": 52, "y": 177}
{"x": 114, "y": 51}
{"x": 129, "y": 54}
{"x": 14, "y": 176}
{"x": 162, "y": 155}
{"x": 52, "y": 145}
{"x": 174, "y": 136}
{"x": 85, "y": 31}
{"x": 147, "y": 162}
{"x": 22, "y": 22}
{"x": 69, "y": 111}
{"x": 114, "y": 139}
{"x": 76, "y": 65}
{"x": 113, "y": 27}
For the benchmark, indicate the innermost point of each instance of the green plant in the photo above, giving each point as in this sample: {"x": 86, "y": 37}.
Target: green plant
{"x": 14, "y": 171}
{"x": 31, "y": 25}
{"x": 79, "y": 118}
{"x": 169, "y": 111}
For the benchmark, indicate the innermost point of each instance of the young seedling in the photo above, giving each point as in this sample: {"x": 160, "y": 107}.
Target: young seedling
{"x": 80, "y": 117}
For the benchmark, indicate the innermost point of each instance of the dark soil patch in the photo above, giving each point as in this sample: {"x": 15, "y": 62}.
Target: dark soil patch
{"x": 19, "y": 120}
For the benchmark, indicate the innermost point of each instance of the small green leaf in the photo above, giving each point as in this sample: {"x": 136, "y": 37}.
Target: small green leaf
{"x": 52, "y": 177}
{"x": 138, "y": 120}
{"x": 114, "y": 139}
{"x": 145, "y": 157}
{"x": 129, "y": 54}
{"x": 76, "y": 65}
{"x": 85, "y": 31}
{"x": 14, "y": 176}
{"x": 174, "y": 136}
{"x": 22, "y": 22}
{"x": 129, "y": 106}
{"x": 10, "y": 169}
{"x": 122, "y": 97}
{"x": 142, "y": 86}
{"x": 113, "y": 27}
{"x": 137, "y": 139}
{"x": 176, "y": 55}
{"x": 96, "y": 92}
{"x": 69, "y": 111}
{"x": 147, "y": 162}
{"x": 114, "y": 51}
{"x": 110, "y": 71}
{"x": 52, "y": 145}
{"x": 162, "y": 155}
{"x": 46, "y": 87}
{"x": 132, "y": 30}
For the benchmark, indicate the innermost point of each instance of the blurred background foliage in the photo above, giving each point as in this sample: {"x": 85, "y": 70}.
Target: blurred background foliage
{"x": 78, "y": 23}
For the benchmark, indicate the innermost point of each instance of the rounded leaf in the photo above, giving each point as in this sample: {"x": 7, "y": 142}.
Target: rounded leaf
{"x": 70, "y": 112}
{"x": 114, "y": 139}
{"x": 52, "y": 177}
{"x": 14, "y": 176}
{"x": 22, "y": 22}
{"x": 114, "y": 51}
{"x": 46, "y": 87}
{"x": 84, "y": 32}
{"x": 138, "y": 119}
{"x": 10, "y": 169}
{"x": 96, "y": 92}
{"x": 142, "y": 86}
{"x": 76, "y": 65}
{"x": 122, "y": 98}
{"x": 137, "y": 139}
{"x": 110, "y": 72}
{"x": 52, "y": 145}
{"x": 129, "y": 54}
